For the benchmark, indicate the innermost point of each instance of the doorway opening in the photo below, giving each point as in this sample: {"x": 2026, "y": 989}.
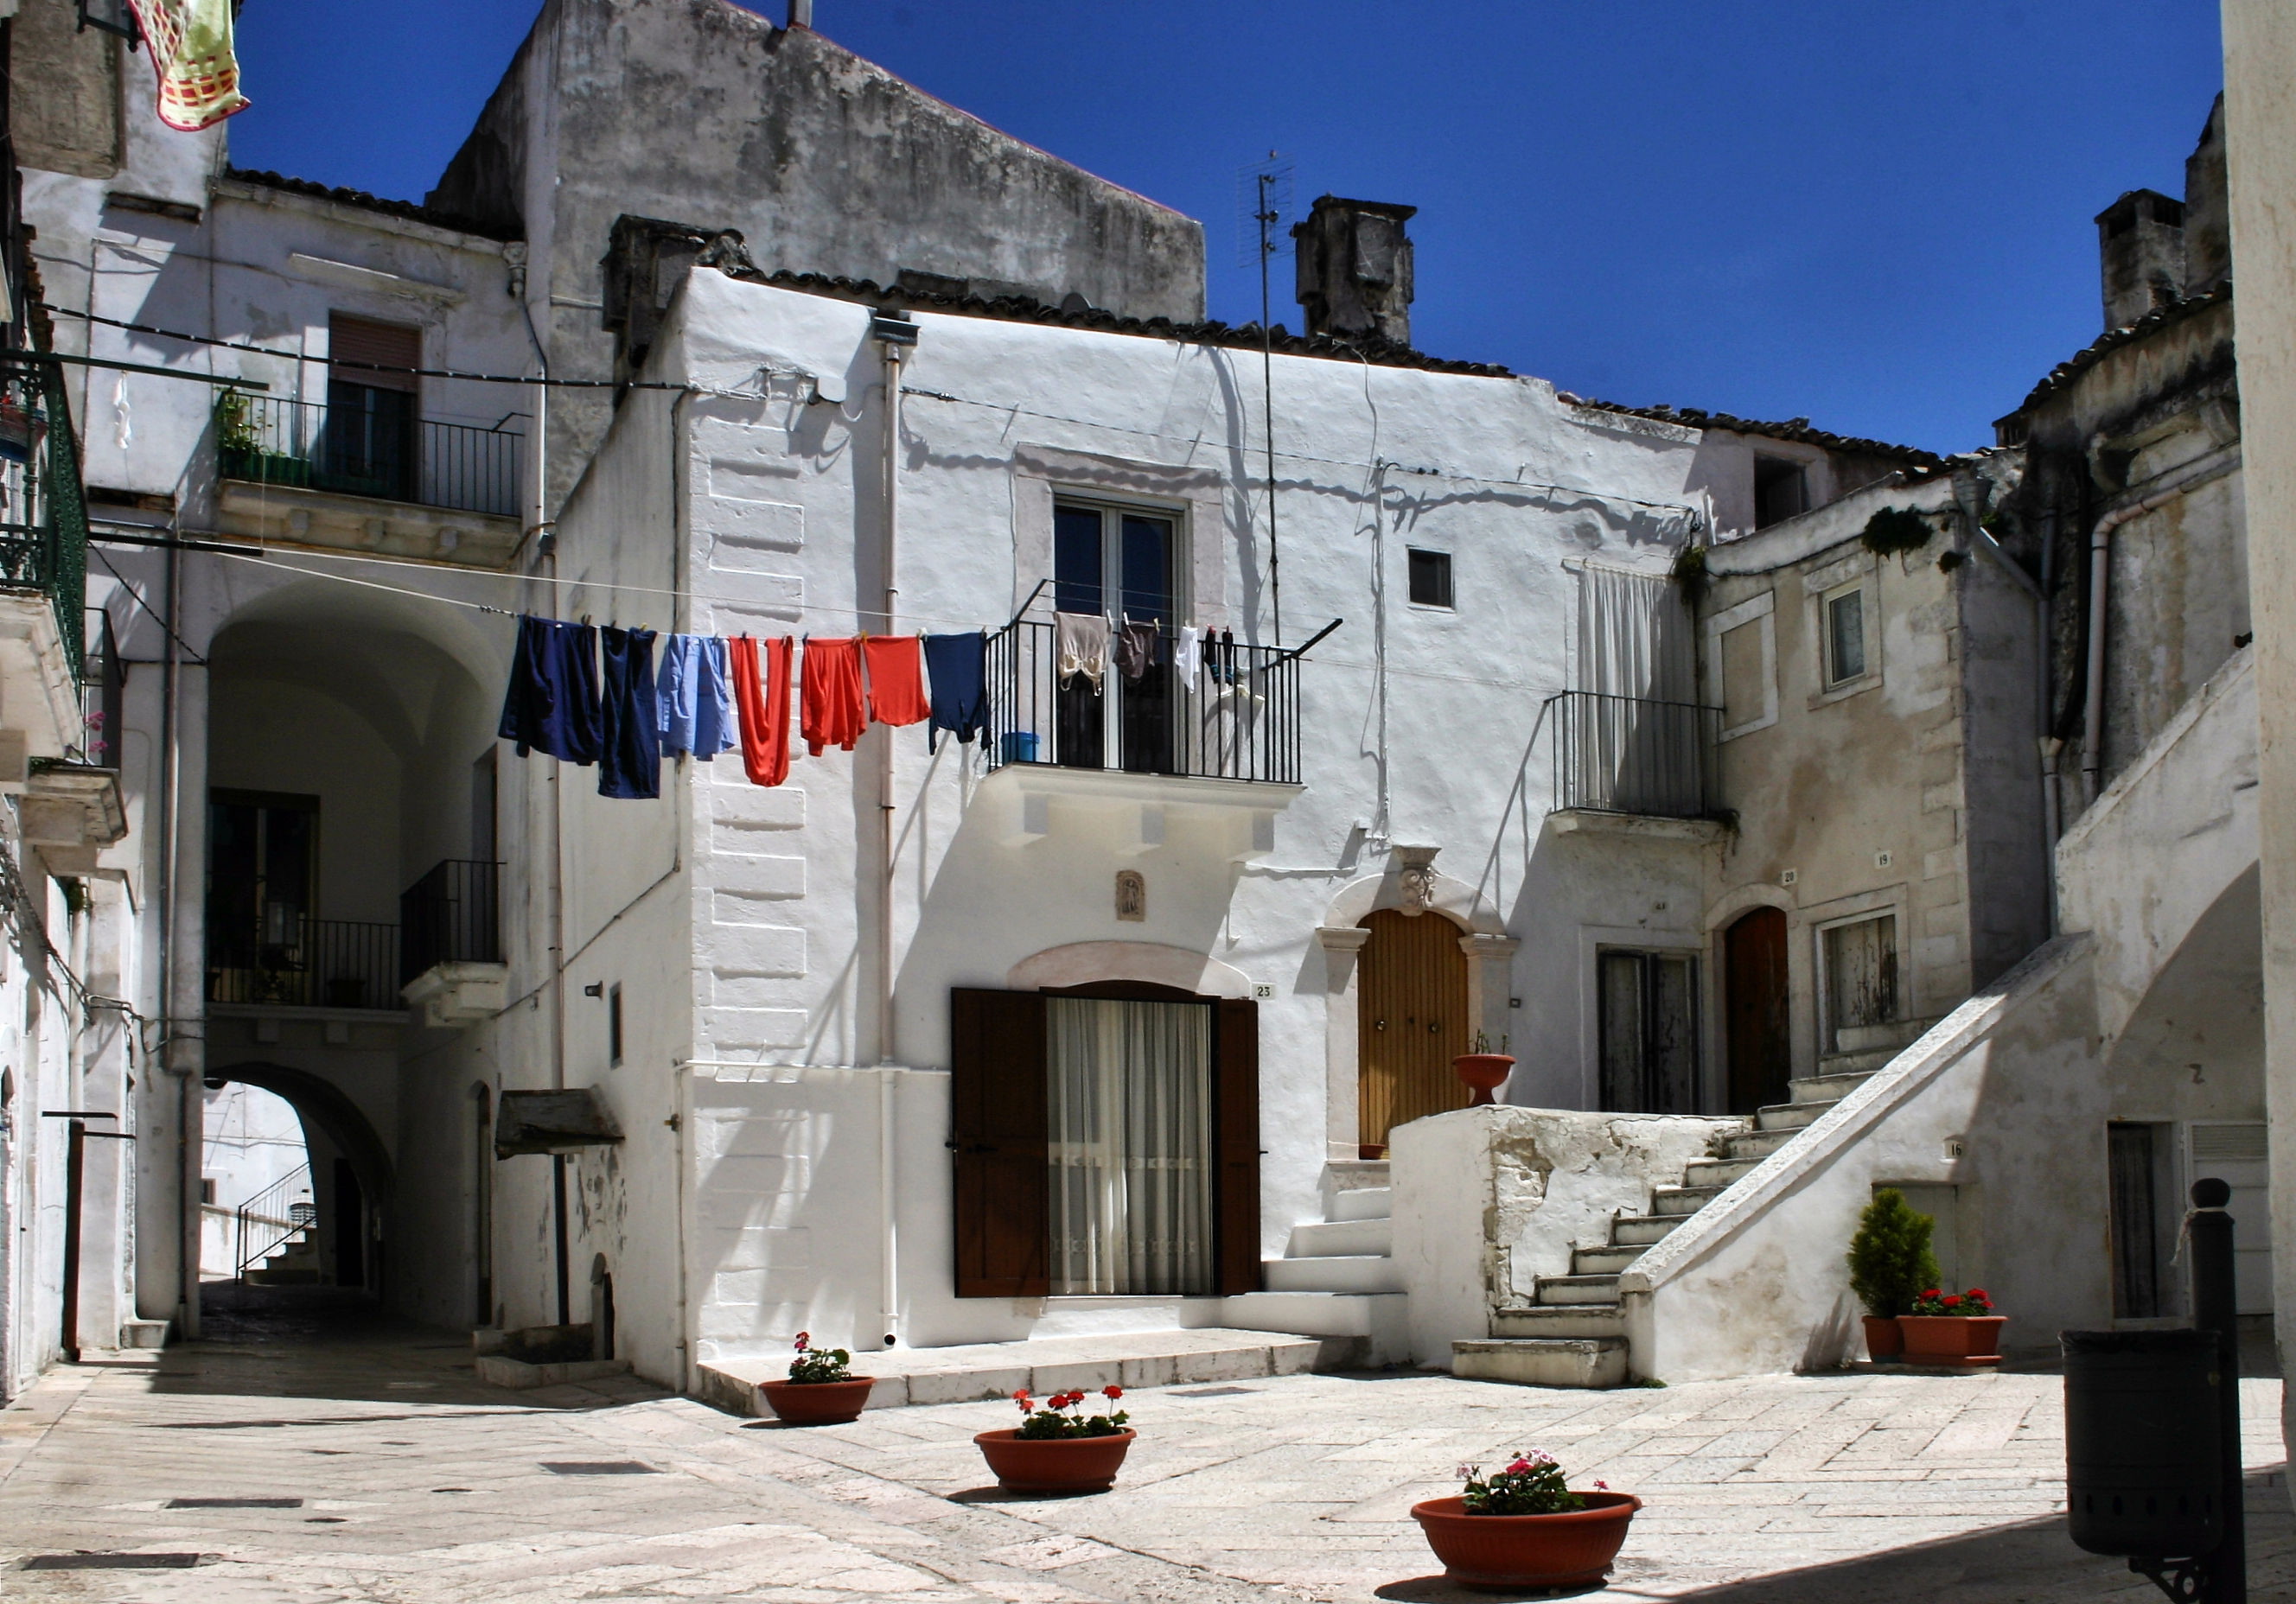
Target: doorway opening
{"x": 259, "y": 1209}
{"x": 1411, "y": 1021}
{"x": 1649, "y": 1027}
{"x": 601, "y": 1309}
{"x": 1757, "y": 1011}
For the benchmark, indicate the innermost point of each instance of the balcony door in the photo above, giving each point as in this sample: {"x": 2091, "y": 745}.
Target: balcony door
{"x": 368, "y": 441}
{"x": 1122, "y": 563}
{"x": 263, "y": 873}
{"x": 1411, "y": 1021}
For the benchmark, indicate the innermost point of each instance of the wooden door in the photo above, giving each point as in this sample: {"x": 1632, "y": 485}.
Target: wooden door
{"x": 998, "y": 1132}
{"x": 1755, "y": 1006}
{"x": 1235, "y": 1144}
{"x": 1411, "y": 1021}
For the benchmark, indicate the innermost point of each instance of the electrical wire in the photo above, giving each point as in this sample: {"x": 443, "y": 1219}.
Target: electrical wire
{"x": 349, "y": 362}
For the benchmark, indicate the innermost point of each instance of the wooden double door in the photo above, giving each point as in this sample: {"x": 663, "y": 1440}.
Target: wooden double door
{"x": 1411, "y": 1021}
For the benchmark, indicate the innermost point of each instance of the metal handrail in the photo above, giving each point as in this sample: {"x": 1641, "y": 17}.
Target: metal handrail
{"x": 451, "y": 915}
{"x": 43, "y": 506}
{"x": 301, "y": 1216}
{"x": 327, "y": 963}
{"x": 386, "y": 456}
{"x": 1633, "y": 755}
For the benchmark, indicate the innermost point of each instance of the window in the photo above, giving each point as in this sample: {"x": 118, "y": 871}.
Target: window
{"x": 614, "y": 1025}
{"x": 1860, "y": 960}
{"x": 208, "y": 1189}
{"x": 1649, "y": 1008}
{"x": 1123, "y": 563}
{"x": 1744, "y": 675}
{"x": 1845, "y": 636}
{"x": 1781, "y": 490}
{"x": 1430, "y": 578}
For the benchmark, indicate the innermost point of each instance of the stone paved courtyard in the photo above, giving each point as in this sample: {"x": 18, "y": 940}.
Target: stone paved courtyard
{"x": 406, "y": 1481}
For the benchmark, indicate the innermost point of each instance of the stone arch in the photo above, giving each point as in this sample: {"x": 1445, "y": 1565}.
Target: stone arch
{"x": 1455, "y": 899}
{"x": 1154, "y": 962}
{"x": 321, "y": 1101}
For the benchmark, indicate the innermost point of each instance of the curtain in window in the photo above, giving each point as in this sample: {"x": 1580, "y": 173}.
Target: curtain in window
{"x": 1635, "y": 650}
{"x": 1129, "y": 1095}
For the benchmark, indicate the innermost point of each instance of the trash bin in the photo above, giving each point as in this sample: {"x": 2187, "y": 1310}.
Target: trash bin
{"x": 2143, "y": 1474}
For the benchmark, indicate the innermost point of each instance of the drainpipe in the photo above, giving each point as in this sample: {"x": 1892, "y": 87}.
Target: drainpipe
{"x": 2215, "y": 465}
{"x": 894, "y": 334}
{"x": 188, "y": 1156}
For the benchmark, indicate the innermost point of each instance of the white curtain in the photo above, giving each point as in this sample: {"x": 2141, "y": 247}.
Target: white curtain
{"x": 1636, "y": 651}
{"x": 1128, "y": 1086}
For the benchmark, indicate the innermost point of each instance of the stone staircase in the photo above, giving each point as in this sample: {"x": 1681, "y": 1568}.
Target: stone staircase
{"x": 1572, "y": 1333}
{"x": 1337, "y": 1279}
{"x": 294, "y": 1263}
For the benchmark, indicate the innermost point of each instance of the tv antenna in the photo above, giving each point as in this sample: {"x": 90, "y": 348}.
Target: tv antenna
{"x": 1263, "y": 204}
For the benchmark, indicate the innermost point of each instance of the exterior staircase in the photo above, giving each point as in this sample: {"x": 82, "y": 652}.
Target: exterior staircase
{"x": 1337, "y": 1278}
{"x": 1572, "y": 1333}
{"x": 293, "y": 1263}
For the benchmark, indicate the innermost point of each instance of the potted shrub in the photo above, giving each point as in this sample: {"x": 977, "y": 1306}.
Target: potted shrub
{"x": 1524, "y": 1528}
{"x": 1057, "y": 1448}
{"x": 1953, "y": 1328}
{"x": 1890, "y": 1264}
{"x": 1483, "y": 1070}
{"x": 820, "y": 1390}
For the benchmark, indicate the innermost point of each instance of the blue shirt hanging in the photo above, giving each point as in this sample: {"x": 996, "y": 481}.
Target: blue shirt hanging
{"x": 694, "y": 694}
{"x": 630, "y": 764}
{"x": 552, "y": 705}
{"x": 958, "y": 665}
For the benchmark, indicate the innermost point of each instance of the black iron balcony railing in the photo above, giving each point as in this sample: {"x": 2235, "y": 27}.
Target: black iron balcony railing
{"x": 1234, "y": 716}
{"x": 382, "y": 451}
{"x": 1626, "y": 754}
{"x": 451, "y": 915}
{"x": 329, "y": 963}
{"x": 43, "y": 511}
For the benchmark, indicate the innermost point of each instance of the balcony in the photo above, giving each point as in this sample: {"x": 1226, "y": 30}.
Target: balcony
{"x": 443, "y": 958}
{"x": 1228, "y": 732}
{"x": 1629, "y": 757}
{"x": 42, "y": 568}
{"x": 368, "y": 478}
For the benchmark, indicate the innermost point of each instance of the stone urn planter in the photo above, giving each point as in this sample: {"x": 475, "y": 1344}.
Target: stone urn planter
{"x": 1484, "y": 1073}
{"x": 1079, "y": 1464}
{"x": 818, "y": 1402}
{"x": 1883, "y": 1339}
{"x": 1571, "y": 1548}
{"x": 1952, "y": 1338}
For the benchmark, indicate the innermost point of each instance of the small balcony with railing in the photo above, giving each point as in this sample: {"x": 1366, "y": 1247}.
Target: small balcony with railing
{"x": 43, "y": 568}
{"x": 1161, "y": 729}
{"x": 366, "y": 472}
{"x": 443, "y": 959}
{"x": 1618, "y": 759}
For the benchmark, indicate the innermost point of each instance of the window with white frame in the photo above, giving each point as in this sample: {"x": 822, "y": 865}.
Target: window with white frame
{"x": 1842, "y": 624}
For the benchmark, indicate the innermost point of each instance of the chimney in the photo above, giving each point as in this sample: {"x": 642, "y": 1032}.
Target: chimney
{"x": 800, "y": 13}
{"x": 2208, "y": 221}
{"x": 1355, "y": 269}
{"x": 2141, "y": 239}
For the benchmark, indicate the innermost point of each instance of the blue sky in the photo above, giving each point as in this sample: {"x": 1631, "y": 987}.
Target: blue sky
{"x": 1874, "y": 216}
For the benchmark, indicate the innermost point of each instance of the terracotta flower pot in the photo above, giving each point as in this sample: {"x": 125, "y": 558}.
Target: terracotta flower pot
{"x": 1486, "y": 1072}
{"x": 1952, "y": 1336}
{"x": 1055, "y": 1464}
{"x": 818, "y": 1402}
{"x": 1573, "y": 1548}
{"x": 1883, "y": 1339}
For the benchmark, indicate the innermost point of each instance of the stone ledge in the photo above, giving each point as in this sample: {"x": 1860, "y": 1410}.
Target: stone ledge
{"x": 323, "y": 520}
{"x": 1647, "y": 827}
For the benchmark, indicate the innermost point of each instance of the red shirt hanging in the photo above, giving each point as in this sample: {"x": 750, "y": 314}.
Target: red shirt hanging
{"x": 897, "y": 679}
{"x": 832, "y": 711}
{"x": 763, "y": 710}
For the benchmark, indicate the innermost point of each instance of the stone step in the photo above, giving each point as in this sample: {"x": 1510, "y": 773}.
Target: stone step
{"x": 1790, "y": 1116}
{"x": 1361, "y": 1331}
{"x": 266, "y": 1276}
{"x": 1342, "y": 1238}
{"x": 1605, "y": 1261}
{"x": 1856, "y": 1063}
{"x": 1583, "y": 1361}
{"x": 1716, "y": 1172}
{"x": 1898, "y": 1033}
{"x": 991, "y": 1371}
{"x": 1682, "y": 1199}
{"x": 1578, "y": 1289}
{"x": 1642, "y": 1230}
{"x": 1760, "y": 1144}
{"x": 1351, "y": 1273}
{"x": 1826, "y": 1088}
{"x": 1559, "y": 1320}
{"x": 1363, "y": 1203}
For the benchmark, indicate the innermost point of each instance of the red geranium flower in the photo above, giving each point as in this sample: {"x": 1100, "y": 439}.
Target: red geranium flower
{"x": 1112, "y": 1393}
{"x": 1952, "y": 1300}
{"x": 802, "y": 1339}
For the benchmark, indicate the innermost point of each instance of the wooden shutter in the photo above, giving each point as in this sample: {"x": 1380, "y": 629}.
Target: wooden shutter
{"x": 1235, "y": 1144}
{"x": 1756, "y": 1010}
{"x": 364, "y": 340}
{"x": 996, "y": 1128}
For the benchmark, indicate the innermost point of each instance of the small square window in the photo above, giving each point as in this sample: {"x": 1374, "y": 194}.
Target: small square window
{"x": 208, "y": 1189}
{"x": 1845, "y": 637}
{"x": 1430, "y": 578}
{"x": 614, "y": 1026}
{"x": 1780, "y": 491}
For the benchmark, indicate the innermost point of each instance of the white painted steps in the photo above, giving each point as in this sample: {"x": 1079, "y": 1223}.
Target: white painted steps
{"x": 1337, "y": 1278}
{"x": 1573, "y": 1332}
